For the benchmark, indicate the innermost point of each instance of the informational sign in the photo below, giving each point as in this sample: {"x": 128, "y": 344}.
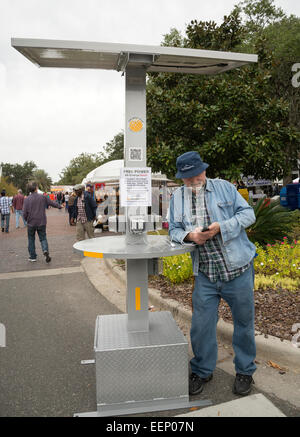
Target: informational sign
{"x": 249, "y": 181}
{"x": 135, "y": 186}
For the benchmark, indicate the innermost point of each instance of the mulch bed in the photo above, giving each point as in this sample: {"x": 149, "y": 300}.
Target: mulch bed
{"x": 276, "y": 311}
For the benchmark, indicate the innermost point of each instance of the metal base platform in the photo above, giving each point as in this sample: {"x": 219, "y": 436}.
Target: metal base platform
{"x": 146, "y": 408}
{"x": 140, "y": 372}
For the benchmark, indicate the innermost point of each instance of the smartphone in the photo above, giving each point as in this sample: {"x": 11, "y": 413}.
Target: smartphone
{"x": 204, "y": 229}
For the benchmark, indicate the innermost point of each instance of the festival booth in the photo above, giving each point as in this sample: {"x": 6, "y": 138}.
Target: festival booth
{"x": 106, "y": 187}
{"x": 61, "y": 188}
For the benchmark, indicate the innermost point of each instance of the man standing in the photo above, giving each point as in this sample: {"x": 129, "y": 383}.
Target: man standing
{"x": 34, "y": 212}
{"x": 59, "y": 197}
{"x": 5, "y": 207}
{"x": 84, "y": 212}
{"x": 18, "y": 202}
{"x": 89, "y": 188}
{"x": 66, "y": 201}
{"x": 212, "y": 215}
{"x": 71, "y": 201}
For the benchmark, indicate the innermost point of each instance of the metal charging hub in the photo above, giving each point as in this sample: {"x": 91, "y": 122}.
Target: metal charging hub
{"x": 141, "y": 357}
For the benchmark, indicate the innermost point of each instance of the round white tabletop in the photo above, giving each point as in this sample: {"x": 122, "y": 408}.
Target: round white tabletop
{"x": 116, "y": 247}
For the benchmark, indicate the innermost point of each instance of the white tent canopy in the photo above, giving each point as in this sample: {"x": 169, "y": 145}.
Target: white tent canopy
{"x": 110, "y": 171}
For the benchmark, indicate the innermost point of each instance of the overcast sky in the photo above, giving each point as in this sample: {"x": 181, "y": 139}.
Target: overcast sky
{"x": 51, "y": 115}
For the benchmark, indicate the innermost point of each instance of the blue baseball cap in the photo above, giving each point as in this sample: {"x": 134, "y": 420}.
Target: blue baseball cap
{"x": 189, "y": 164}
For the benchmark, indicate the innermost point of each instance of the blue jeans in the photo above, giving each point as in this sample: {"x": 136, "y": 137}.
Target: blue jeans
{"x": 41, "y": 230}
{"x": 19, "y": 213}
{"x": 239, "y": 295}
{"x": 5, "y": 218}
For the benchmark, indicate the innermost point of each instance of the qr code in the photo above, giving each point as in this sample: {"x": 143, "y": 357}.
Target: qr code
{"x": 135, "y": 154}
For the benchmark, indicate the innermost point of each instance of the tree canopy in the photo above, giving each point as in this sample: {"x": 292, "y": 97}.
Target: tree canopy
{"x": 10, "y": 189}
{"x": 43, "y": 180}
{"x": 19, "y": 175}
{"x": 80, "y": 166}
{"x": 245, "y": 121}
{"x": 239, "y": 121}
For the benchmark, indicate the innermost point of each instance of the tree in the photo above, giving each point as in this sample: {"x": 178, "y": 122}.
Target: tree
{"x": 79, "y": 167}
{"x": 234, "y": 120}
{"x": 18, "y": 174}
{"x": 280, "y": 37}
{"x": 283, "y": 39}
{"x": 10, "y": 189}
{"x": 114, "y": 149}
{"x": 258, "y": 15}
{"x": 43, "y": 179}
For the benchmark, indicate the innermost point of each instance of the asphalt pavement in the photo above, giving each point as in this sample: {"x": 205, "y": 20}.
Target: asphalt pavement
{"x": 49, "y": 312}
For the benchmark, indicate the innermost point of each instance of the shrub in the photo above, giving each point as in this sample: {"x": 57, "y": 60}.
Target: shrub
{"x": 10, "y": 189}
{"x": 178, "y": 268}
{"x": 280, "y": 259}
{"x": 263, "y": 282}
{"x": 276, "y": 265}
{"x": 273, "y": 222}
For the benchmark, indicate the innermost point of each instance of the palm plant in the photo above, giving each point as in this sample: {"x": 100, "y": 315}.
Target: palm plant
{"x": 273, "y": 222}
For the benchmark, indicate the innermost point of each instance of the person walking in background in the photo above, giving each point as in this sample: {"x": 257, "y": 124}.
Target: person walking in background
{"x": 66, "y": 201}
{"x": 89, "y": 188}
{"x": 71, "y": 201}
{"x": 5, "y": 208}
{"x": 59, "y": 197}
{"x": 34, "y": 212}
{"x": 84, "y": 212}
{"x": 212, "y": 215}
{"x": 52, "y": 198}
{"x": 18, "y": 202}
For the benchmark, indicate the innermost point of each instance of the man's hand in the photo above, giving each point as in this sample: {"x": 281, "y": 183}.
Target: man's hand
{"x": 213, "y": 229}
{"x": 199, "y": 237}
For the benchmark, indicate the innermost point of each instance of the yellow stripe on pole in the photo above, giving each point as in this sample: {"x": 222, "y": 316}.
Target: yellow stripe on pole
{"x": 93, "y": 254}
{"x": 137, "y": 298}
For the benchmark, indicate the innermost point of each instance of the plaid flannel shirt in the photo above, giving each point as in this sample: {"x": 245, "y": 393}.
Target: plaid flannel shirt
{"x": 211, "y": 259}
{"x": 81, "y": 210}
{"x": 5, "y": 204}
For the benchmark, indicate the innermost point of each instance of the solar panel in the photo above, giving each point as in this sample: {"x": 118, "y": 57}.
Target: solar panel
{"x": 113, "y": 56}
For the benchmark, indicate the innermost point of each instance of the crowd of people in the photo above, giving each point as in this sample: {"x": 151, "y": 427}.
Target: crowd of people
{"x": 31, "y": 209}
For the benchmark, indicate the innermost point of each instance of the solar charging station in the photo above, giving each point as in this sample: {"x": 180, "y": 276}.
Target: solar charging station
{"x": 141, "y": 357}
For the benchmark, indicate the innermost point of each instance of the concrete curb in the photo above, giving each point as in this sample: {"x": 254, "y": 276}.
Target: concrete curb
{"x": 272, "y": 348}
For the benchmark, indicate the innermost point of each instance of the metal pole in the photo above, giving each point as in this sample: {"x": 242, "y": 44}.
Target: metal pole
{"x": 135, "y": 156}
{"x": 135, "y": 134}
